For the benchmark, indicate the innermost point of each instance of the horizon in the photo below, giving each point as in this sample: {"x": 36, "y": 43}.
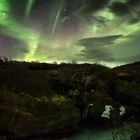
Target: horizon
{"x": 109, "y": 65}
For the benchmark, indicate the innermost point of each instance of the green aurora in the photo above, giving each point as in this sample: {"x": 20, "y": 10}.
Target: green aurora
{"x": 54, "y": 32}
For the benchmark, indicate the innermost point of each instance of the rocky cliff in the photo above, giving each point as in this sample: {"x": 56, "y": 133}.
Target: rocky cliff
{"x": 39, "y": 99}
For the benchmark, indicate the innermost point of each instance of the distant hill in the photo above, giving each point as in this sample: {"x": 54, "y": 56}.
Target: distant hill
{"x": 133, "y": 68}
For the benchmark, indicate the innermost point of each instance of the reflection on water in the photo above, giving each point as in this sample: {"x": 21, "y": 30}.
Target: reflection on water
{"x": 123, "y": 133}
{"x": 107, "y": 134}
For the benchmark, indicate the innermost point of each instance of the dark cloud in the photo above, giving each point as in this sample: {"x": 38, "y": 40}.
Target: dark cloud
{"x": 134, "y": 20}
{"x": 100, "y": 20}
{"x": 120, "y": 9}
{"x": 95, "y": 48}
{"x": 94, "y": 5}
{"x": 99, "y": 41}
{"x": 85, "y": 9}
{"x": 131, "y": 8}
{"x": 102, "y": 54}
{"x": 134, "y": 2}
{"x": 85, "y": 6}
{"x": 129, "y": 59}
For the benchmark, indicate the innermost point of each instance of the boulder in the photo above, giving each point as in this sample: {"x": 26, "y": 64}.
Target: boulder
{"x": 23, "y": 115}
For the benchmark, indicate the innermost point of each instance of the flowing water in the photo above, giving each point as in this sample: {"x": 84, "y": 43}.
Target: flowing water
{"x": 107, "y": 133}
{"x": 123, "y": 133}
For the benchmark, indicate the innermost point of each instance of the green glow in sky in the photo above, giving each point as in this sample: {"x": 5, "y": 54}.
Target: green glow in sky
{"x": 4, "y": 6}
{"x": 25, "y": 34}
{"x": 57, "y": 16}
{"x": 18, "y": 31}
{"x": 47, "y": 42}
{"x": 4, "y": 9}
{"x": 29, "y": 7}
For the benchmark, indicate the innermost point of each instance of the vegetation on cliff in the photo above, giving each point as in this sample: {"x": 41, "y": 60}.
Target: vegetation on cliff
{"x": 40, "y": 98}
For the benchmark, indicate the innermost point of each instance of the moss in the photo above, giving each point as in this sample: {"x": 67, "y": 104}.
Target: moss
{"x": 58, "y": 99}
{"x": 43, "y": 99}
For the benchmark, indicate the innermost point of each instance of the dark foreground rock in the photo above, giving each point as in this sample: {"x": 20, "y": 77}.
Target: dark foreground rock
{"x": 23, "y": 115}
{"x": 135, "y": 136}
{"x": 50, "y": 100}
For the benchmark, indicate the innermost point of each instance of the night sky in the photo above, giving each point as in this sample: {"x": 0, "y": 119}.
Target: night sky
{"x": 103, "y": 31}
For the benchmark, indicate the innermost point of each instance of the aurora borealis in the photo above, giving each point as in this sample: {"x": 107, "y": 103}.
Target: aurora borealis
{"x": 107, "y": 31}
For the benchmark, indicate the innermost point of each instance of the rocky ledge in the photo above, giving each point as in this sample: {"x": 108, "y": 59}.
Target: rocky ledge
{"x": 43, "y": 99}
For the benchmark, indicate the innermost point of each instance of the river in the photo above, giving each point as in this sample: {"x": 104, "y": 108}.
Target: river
{"x": 123, "y": 133}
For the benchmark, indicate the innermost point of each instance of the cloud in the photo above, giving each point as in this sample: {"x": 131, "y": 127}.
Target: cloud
{"x": 84, "y": 8}
{"x": 129, "y": 59}
{"x": 89, "y": 8}
{"x": 99, "y": 41}
{"x": 134, "y": 20}
{"x": 128, "y": 50}
{"x": 78, "y": 19}
{"x": 98, "y": 54}
{"x": 94, "y": 5}
{"x": 130, "y": 8}
{"x": 120, "y": 9}
{"x": 95, "y": 48}
{"x": 134, "y": 2}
